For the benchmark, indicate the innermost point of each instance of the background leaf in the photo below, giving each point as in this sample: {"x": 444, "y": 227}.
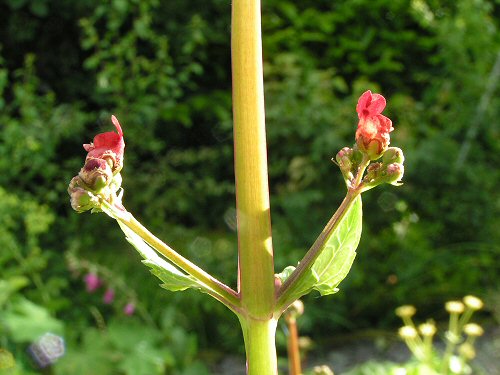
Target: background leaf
{"x": 27, "y": 321}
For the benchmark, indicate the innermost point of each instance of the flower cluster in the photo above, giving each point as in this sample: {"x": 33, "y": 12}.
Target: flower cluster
{"x": 98, "y": 278}
{"x": 372, "y": 143}
{"x": 100, "y": 176}
{"x": 372, "y": 135}
{"x": 93, "y": 282}
{"x": 459, "y": 349}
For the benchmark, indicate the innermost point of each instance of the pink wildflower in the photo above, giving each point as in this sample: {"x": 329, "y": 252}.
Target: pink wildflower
{"x": 109, "y": 296}
{"x": 372, "y": 135}
{"x": 92, "y": 281}
{"x": 129, "y": 308}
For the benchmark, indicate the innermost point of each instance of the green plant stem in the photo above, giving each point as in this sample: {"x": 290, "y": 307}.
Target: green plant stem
{"x": 214, "y": 287}
{"x": 464, "y": 319}
{"x": 260, "y": 346}
{"x": 427, "y": 344}
{"x": 256, "y": 266}
{"x": 452, "y": 337}
{"x": 255, "y": 252}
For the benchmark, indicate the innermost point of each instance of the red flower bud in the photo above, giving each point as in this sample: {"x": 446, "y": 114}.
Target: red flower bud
{"x": 109, "y": 146}
{"x": 372, "y": 135}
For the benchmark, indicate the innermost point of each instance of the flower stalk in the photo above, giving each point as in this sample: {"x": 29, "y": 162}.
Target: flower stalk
{"x": 255, "y": 252}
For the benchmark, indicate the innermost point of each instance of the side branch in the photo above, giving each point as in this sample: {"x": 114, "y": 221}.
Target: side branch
{"x": 216, "y": 288}
{"x": 313, "y": 253}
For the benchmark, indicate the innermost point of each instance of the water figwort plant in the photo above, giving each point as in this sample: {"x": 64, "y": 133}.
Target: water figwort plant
{"x": 261, "y": 295}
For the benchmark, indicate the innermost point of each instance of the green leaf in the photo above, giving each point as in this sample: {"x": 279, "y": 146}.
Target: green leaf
{"x": 173, "y": 279}
{"x": 27, "y": 321}
{"x": 335, "y": 259}
{"x": 10, "y": 286}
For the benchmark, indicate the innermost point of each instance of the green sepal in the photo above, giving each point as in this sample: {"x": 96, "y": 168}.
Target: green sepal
{"x": 334, "y": 260}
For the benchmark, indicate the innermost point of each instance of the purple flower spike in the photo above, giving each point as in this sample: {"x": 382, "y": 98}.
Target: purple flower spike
{"x": 92, "y": 281}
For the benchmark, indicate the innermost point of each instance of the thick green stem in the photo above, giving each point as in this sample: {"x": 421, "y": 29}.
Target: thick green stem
{"x": 255, "y": 260}
{"x": 256, "y": 266}
{"x": 260, "y": 346}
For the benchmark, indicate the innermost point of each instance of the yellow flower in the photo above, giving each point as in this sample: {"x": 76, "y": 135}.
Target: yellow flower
{"x": 473, "y": 302}
{"x": 473, "y": 329}
{"x": 408, "y": 332}
{"x": 454, "y": 307}
{"x": 406, "y": 311}
{"x": 467, "y": 351}
{"x": 427, "y": 329}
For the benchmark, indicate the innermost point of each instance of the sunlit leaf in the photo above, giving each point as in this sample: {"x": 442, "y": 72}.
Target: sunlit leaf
{"x": 335, "y": 259}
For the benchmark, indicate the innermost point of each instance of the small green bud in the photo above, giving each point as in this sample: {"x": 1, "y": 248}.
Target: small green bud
{"x": 348, "y": 160}
{"x": 393, "y": 155}
{"x": 344, "y": 162}
{"x": 96, "y": 173}
{"x": 81, "y": 199}
{"x": 295, "y": 310}
{"x": 394, "y": 174}
{"x": 380, "y": 173}
{"x": 373, "y": 173}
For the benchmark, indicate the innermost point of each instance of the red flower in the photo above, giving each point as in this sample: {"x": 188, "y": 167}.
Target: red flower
{"x": 372, "y": 135}
{"x": 109, "y": 146}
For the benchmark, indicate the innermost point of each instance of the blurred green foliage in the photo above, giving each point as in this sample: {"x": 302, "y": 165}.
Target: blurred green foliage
{"x": 163, "y": 67}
